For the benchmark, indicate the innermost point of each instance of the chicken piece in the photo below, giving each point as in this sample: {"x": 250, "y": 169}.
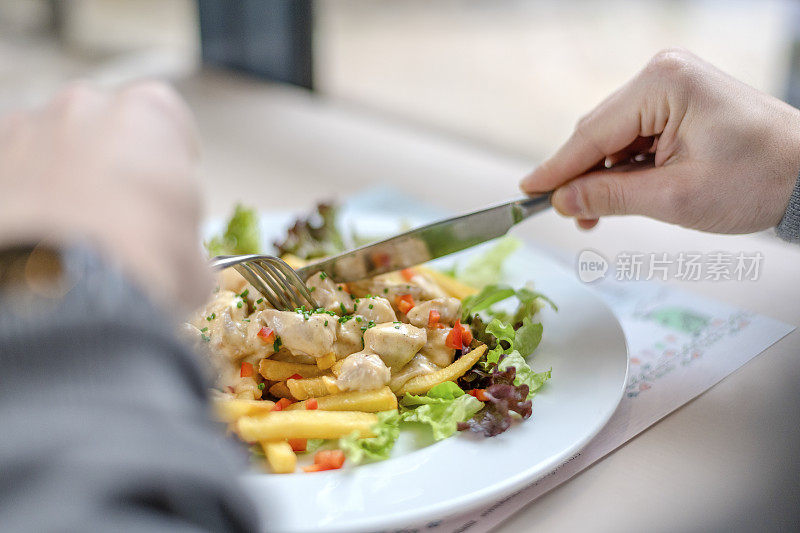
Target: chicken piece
{"x": 230, "y": 280}
{"x": 392, "y": 285}
{"x": 285, "y": 355}
{"x": 307, "y": 334}
{"x": 396, "y": 343}
{"x": 349, "y": 337}
{"x": 435, "y": 348}
{"x": 226, "y": 333}
{"x": 430, "y": 290}
{"x": 449, "y": 310}
{"x": 330, "y": 295}
{"x": 254, "y": 298}
{"x": 363, "y": 371}
{"x": 418, "y": 366}
{"x": 258, "y": 346}
{"x": 375, "y": 309}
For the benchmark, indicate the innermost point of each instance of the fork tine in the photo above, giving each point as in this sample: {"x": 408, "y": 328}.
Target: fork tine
{"x": 275, "y": 285}
{"x": 288, "y": 291}
{"x": 294, "y": 279}
{"x": 291, "y": 290}
{"x": 256, "y": 282}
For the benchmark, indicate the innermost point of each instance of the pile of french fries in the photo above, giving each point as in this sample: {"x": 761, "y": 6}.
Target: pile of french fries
{"x": 311, "y": 406}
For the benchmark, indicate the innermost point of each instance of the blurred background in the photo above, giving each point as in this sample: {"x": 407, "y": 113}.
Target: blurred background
{"x": 508, "y": 76}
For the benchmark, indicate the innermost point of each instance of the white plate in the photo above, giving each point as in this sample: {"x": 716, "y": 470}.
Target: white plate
{"x": 584, "y": 345}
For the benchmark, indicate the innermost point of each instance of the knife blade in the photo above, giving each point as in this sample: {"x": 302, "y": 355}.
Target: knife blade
{"x": 428, "y": 242}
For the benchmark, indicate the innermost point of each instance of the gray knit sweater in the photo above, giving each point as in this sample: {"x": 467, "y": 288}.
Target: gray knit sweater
{"x": 104, "y": 422}
{"x": 789, "y": 227}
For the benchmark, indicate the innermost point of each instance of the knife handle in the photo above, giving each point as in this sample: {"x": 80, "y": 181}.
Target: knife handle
{"x": 527, "y": 207}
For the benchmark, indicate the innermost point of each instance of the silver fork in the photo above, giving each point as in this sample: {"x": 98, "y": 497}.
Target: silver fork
{"x": 272, "y": 277}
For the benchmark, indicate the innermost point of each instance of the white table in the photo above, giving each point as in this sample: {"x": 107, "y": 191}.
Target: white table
{"x": 274, "y": 147}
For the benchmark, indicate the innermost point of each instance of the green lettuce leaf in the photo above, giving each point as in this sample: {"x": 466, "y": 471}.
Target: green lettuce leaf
{"x": 442, "y": 409}
{"x": 525, "y": 375}
{"x": 241, "y": 235}
{"x": 501, "y": 331}
{"x": 527, "y": 337}
{"x": 314, "y": 444}
{"x": 487, "y": 297}
{"x": 487, "y": 268}
{"x": 374, "y": 448}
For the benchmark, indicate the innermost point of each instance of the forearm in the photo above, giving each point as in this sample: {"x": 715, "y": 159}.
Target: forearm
{"x": 103, "y": 418}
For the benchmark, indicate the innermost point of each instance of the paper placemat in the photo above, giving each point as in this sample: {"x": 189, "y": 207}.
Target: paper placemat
{"x": 680, "y": 345}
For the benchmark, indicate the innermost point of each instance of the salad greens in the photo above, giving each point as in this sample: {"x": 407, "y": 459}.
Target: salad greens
{"x": 442, "y": 408}
{"x": 373, "y": 448}
{"x": 241, "y": 236}
{"x": 315, "y": 236}
{"x": 503, "y": 397}
{"x": 487, "y": 268}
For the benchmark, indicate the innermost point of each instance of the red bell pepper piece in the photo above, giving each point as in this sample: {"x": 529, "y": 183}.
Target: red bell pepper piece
{"x": 433, "y": 318}
{"x": 405, "y": 303}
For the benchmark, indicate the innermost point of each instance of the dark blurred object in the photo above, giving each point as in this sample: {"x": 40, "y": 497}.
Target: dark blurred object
{"x": 268, "y": 38}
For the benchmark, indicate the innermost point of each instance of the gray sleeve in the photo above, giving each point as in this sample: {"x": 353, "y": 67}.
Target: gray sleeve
{"x": 789, "y": 227}
{"x": 103, "y": 417}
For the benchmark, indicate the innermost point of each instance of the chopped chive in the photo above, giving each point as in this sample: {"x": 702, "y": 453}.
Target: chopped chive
{"x": 238, "y": 305}
{"x": 386, "y": 290}
{"x": 312, "y": 289}
{"x": 260, "y": 386}
{"x": 358, "y": 319}
{"x": 371, "y": 306}
{"x": 212, "y": 317}
{"x": 322, "y": 275}
{"x": 244, "y": 293}
{"x": 277, "y": 344}
{"x": 342, "y": 307}
{"x": 205, "y": 337}
{"x": 204, "y": 329}
{"x": 259, "y": 300}
{"x": 326, "y": 323}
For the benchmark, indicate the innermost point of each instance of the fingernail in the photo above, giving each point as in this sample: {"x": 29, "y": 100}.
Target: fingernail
{"x": 567, "y": 201}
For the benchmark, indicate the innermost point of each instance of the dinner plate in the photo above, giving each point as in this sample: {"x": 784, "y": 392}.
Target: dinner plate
{"x": 424, "y": 481}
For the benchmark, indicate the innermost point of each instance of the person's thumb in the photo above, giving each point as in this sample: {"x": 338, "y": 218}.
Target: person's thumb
{"x": 606, "y": 193}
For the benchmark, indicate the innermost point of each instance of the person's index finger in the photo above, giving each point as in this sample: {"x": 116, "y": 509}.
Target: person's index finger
{"x": 611, "y": 127}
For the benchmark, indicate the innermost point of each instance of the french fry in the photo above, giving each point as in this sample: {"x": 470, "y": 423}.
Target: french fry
{"x": 330, "y": 384}
{"x": 247, "y": 389}
{"x": 371, "y": 401}
{"x": 280, "y": 456}
{"x": 448, "y": 284}
{"x": 302, "y": 389}
{"x": 316, "y": 424}
{"x": 281, "y": 370}
{"x": 326, "y": 361}
{"x": 422, "y": 384}
{"x": 280, "y": 390}
{"x": 230, "y": 410}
